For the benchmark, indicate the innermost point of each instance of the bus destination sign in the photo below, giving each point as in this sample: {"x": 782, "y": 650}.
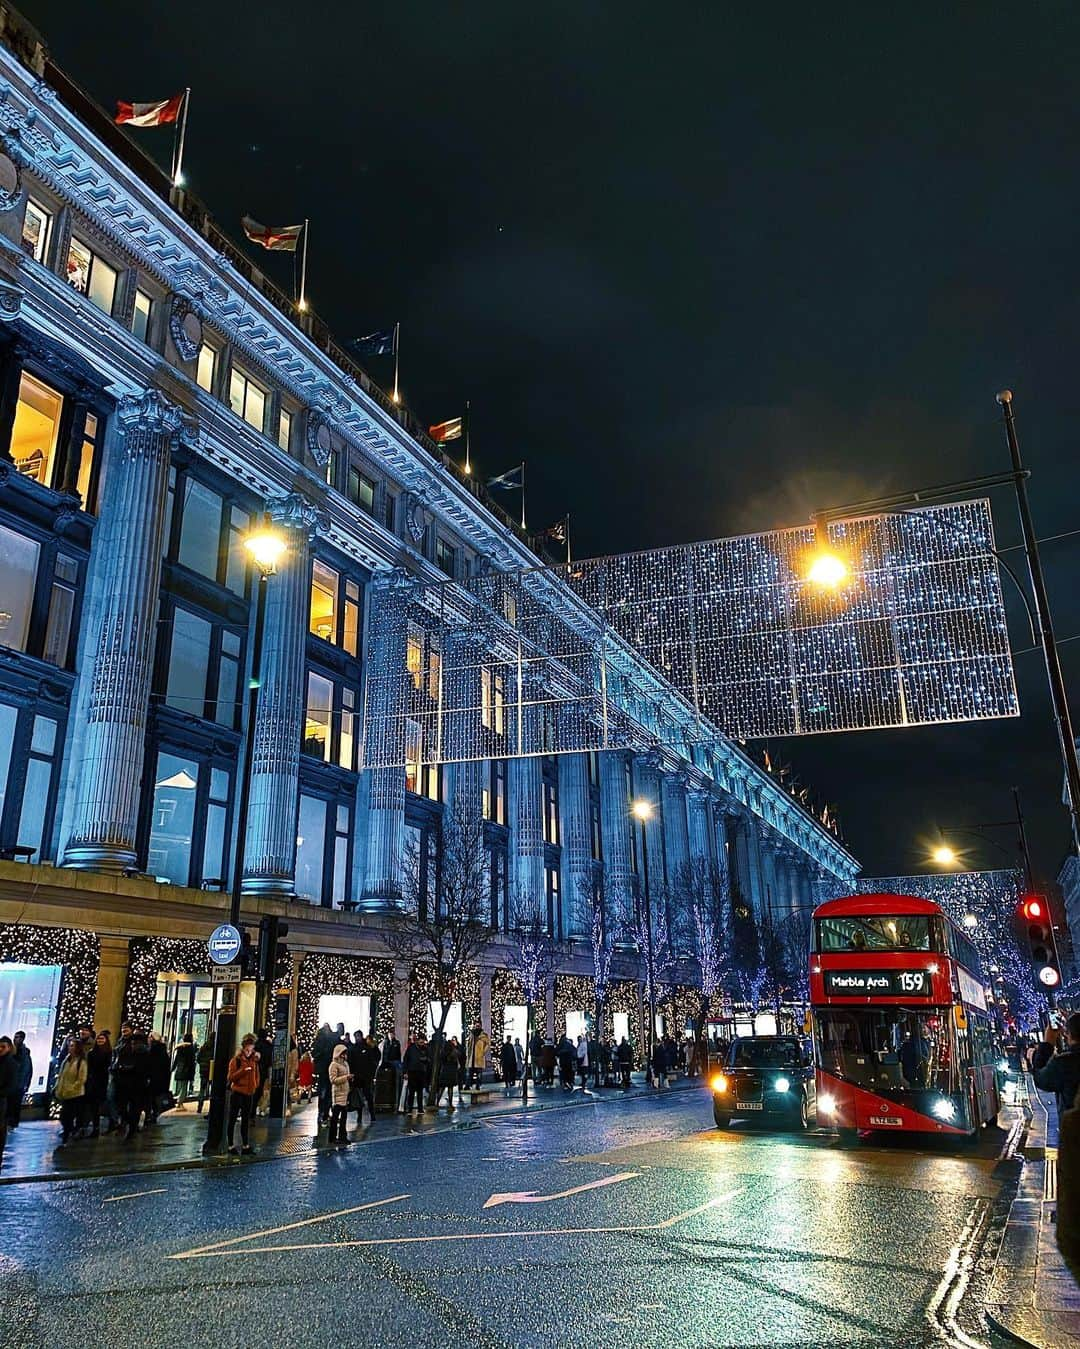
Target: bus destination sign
{"x": 878, "y": 983}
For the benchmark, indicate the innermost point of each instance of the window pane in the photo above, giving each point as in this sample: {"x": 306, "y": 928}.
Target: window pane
{"x": 255, "y": 406}
{"x": 347, "y": 740}
{"x": 324, "y": 585}
{"x": 18, "y": 572}
{"x": 341, "y": 874}
{"x": 351, "y": 625}
{"x": 413, "y": 746}
{"x": 140, "y": 319}
{"x": 236, "y": 562}
{"x": 207, "y": 368}
{"x": 189, "y": 660}
{"x": 228, "y": 687}
{"x": 284, "y": 433}
{"x": 35, "y": 231}
{"x": 8, "y": 717}
{"x": 58, "y": 627}
{"x": 169, "y": 851}
{"x": 219, "y": 784}
{"x": 35, "y": 804}
{"x": 237, "y": 387}
{"x": 37, "y": 422}
{"x": 200, "y": 529}
{"x": 213, "y": 868}
{"x": 87, "y": 455}
{"x": 320, "y": 702}
{"x": 78, "y": 266}
{"x": 102, "y": 285}
{"x": 43, "y": 739}
{"x": 310, "y": 841}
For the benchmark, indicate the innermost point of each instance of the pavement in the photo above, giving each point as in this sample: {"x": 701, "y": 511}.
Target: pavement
{"x": 34, "y": 1153}
{"x": 1033, "y": 1297}
{"x": 635, "y": 1224}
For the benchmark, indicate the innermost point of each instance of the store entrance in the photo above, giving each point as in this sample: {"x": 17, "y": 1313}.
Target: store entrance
{"x": 184, "y": 1003}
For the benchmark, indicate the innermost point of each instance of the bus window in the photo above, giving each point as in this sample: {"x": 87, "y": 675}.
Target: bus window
{"x": 885, "y": 1048}
{"x": 902, "y": 932}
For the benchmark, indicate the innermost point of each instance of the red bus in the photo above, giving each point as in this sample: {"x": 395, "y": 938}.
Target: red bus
{"x": 903, "y": 1036}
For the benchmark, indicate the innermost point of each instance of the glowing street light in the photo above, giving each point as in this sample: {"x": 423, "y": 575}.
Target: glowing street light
{"x": 970, "y": 920}
{"x": 945, "y": 856}
{"x": 641, "y": 809}
{"x": 828, "y": 570}
{"x": 266, "y": 547}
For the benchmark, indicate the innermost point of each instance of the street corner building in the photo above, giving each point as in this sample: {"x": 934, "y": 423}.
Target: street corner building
{"x": 159, "y": 398}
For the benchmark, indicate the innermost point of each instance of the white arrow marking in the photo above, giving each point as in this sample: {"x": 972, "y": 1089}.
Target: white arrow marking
{"x": 531, "y": 1197}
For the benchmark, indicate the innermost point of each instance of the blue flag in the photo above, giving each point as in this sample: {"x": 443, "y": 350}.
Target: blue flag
{"x": 375, "y": 344}
{"x": 510, "y": 481}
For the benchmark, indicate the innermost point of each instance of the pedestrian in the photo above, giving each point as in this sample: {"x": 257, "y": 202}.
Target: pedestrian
{"x": 390, "y": 1062}
{"x": 478, "y": 1053}
{"x": 547, "y": 1063}
{"x": 204, "y": 1061}
{"x": 508, "y": 1066}
{"x": 519, "y": 1056}
{"x": 449, "y": 1073}
{"x": 594, "y": 1059}
{"x": 321, "y": 1053}
{"x": 305, "y": 1075}
{"x": 536, "y": 1055}
{"x": 243, "y": 1083}
{"x": 658, "y": 1064}
{"x": 22, "y": 1074}
{"x": 607, "y": 1056}
{"x": 7, "y": 1083}
{"x": 1044, "y": 1051}
{"x": 366, "y": 1058}
{"x": 583, "y": 1060}
{"x": 184, "y": 1062}
{"x": 70, "y": 1088}
{"x": 292, "y": 1072}
{"x": 340, "y": 1086}
{"x": 264, "y": 1048}
{"x": 567, "y": 1056}
{"x": 1061, "y": 1074}
{"x": 160, "y": 1067}
{"x": 625, "y": 1058}
{"x": 415, "y": 1065}
{"x": 98, "y": 1062}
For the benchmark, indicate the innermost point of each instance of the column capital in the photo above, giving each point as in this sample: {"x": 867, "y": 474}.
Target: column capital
{"x": 150, "y": 410}
{"x": 295, "y": 511}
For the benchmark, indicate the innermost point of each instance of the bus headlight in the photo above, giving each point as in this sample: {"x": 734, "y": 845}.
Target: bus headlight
{"x": 719, "y": 1083}
{"x": 781, "y": 1084}
{"x": 943, "y": 1109}
{"x": 826, "y": 1105}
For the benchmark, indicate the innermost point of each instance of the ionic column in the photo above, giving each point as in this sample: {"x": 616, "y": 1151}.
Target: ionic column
{"x": 647, "y": 788}
{"x": 526, "y": 813}
{"x": 677, "y": 859}
{"x": 575, "y": 832}
{"x": 615, "y": 823}
{"x": 119, "y": 633}
{"x": 270, "y": 839}
{"x": 462, "y": 659}
{"x": 380, "y": 817}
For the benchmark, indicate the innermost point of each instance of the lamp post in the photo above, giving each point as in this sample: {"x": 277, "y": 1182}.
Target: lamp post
{"x": 642, "y": 810}
{"x": 265, "y": 547}
{"x": 945, "y": 855}
{"x": 828, "y": 570}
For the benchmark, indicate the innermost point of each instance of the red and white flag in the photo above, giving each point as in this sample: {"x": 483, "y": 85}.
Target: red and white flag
{"x": 149, "y": 114}
{"x": 277, "y": 238}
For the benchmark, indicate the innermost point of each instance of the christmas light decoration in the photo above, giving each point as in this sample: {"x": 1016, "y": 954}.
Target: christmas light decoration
{"x": 151, "y": 956}
{"x": 76, "y": 951}
{"x": 507, "y": 990}
{"x": 343, "y": 976}
{"x": 423, "y": 991}
{"x": 573, "y": 993}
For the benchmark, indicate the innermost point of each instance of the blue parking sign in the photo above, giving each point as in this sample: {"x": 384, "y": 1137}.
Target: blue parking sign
{"x": 224, "y": 944}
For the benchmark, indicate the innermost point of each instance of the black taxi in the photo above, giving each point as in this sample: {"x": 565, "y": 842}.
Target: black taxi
{"x": 766, "y": 1077}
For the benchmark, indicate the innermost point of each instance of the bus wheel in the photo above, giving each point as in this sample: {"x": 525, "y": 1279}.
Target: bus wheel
{"x": 803, "y": 1119}
{"x": 722, "y": 1121}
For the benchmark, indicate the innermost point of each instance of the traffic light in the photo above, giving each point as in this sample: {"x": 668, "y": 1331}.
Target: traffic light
{"x": 274, "y": 962}
{"x": 248, "y": 961}
{"x": 1038, "y": 921}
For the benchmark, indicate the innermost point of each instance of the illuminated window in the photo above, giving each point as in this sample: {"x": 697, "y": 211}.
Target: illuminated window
{"x": 324, "y": 588}
{"x": 61, "y": 609}
{"x": 551, "y": 813}
{"x": 310, "y": 849}
{"x": 246, "y": 399}
{"x": 318, "y": 717}
{"x": 88, "y": 455}
{"x": 434, "y": 673}
{"x": 492, "y": 700}
{"x": 347, "y": 741}
{"x": 414, "y": 659}
{"x": 18, "y": 576}
{"x": 284, "y": 430}
{"x": 91, "y": 276}
{"x": 206, "y": 371}
{"x": 414, "y": 739}
{"x": 361, "y": 490}
{"x": 37, "y": 424}
{"x": 35, "y": 231}
{"x": 176, "y": 783}
{"x": 140, "y": 318}
{"x": 350, "y": 637}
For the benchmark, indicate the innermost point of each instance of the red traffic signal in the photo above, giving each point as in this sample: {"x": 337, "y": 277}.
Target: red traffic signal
{"x": 1039, "y": 924}
{"x": 1031, "y": 908}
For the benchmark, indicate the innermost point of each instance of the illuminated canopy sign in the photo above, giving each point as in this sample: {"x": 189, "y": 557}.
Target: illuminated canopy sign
{"x": 550, "y": 661}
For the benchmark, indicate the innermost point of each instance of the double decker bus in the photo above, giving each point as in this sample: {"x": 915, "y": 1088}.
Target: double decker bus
{"x": 902, "y": 1030}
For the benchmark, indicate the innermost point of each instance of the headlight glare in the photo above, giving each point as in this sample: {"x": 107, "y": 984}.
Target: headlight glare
{"x": 944, "y": 1109}
{"x": 781, "y": 1084}
{"x": 719, "y": 1082}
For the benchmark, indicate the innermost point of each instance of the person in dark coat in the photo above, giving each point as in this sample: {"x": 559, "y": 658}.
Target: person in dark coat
{"x": 321, "y": 1053}
{"x": 131, "y": 1082}
{"x": 160, "y": 1068}
{"x": 625, "y": 1057}
{"x": 7, "y": 1084}
{"x": 390, "y": 1063}
{"x": 548, "y": 1062}
{"x": 22, "y": 1074}
{"x": 184, "y": 1068}
{"x": 567, "y": 1056}
{"x": 1061, "y": 1075}
{"x": 508, "y": 1065}
{"x": 98, "y": 1062}
{"x": 416, "y": 1065}
{"x": 364, "y": 1064}
{"x": 595, "y": 1061}
{"x": 451, "y": 1072}
{"x": 536, "y": 1055}
{"x": 659, "y": 1064}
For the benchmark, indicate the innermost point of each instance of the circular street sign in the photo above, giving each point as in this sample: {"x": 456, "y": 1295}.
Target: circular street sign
{"x": 1048, "y": 976}
{"x": 224, "y": 944}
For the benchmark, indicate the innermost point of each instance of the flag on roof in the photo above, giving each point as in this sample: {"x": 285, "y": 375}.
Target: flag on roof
{"x": 149, "y": 114}
{"x": 277, "y": 238}
{"x": 379, "y": 343}
{"x": 451, "y": 430}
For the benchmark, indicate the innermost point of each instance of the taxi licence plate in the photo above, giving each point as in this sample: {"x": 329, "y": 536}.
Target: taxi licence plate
{"x": 757, "y": 1105}
{"x": 886, "y": 1119}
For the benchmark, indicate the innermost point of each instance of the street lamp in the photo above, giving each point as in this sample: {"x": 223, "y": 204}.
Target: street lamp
{"x": 642, "y": 811}
{"x": 266, "y": 547}
{"x": 828, "y": 570}
{"x": 945, "y": 856}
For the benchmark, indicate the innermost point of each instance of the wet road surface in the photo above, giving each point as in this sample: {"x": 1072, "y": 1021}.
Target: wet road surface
{"x": 631, "y": 1224}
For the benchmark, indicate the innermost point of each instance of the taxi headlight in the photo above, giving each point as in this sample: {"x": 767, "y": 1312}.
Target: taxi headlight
{"x": 781, "y": 1084}
{"x": 943, "y": 1109}
{"x": 719, "y": 1083}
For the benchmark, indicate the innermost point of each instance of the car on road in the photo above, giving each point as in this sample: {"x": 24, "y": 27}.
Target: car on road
{"x": 766, "y": 1077}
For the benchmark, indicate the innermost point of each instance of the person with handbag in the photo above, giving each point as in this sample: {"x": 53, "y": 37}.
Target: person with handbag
{"x": 70, "y": 1089}
{"x": 340, "y": 1083}
{"x": 243, "y": 1082}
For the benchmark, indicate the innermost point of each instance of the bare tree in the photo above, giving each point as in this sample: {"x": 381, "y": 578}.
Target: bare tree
{"x": 447, "y": 920}
{"x": 700, "y": 887}
{"x": 794, "y": 933}
{"x": 534, "y": 957}
{"x": 656, "y": 956}
{"x": 601, "y": 932}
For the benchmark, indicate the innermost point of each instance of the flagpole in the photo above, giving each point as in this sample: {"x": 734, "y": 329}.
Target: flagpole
{"x": 523, "y": 494}
{"x": 178, "y": 144}
{"x": 397, "y": 358}
{"x": 568, "y": 538}
{"x": 468, "y": 461}
{"x": 302, "y": 306}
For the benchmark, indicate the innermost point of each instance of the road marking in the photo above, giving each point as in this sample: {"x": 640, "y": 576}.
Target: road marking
{"x": 456, "y": 1236}
{"x": 219, "y": 1246}
{"x": 137, "y": 1195}
{"x": 531, "y": 1196}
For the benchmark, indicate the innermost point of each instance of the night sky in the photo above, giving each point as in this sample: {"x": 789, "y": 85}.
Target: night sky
{"x": 703, "y": 269}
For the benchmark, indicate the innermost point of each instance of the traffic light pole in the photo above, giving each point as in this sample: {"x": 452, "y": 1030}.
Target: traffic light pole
{"x": 225, "y": 1037}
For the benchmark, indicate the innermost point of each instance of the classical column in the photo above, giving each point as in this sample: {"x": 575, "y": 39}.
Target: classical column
{"x": 700, "y": 840}
{"x": 114, "y": 958}
{"x": 615, "y": 822}
{"x": 380, "y": 818}
{"x": 270, "y": 839}
{"x": 525, "y": 812}
{"x": 462, "y": 658}
{"x": 119, "y": 633}
{"x": 647, "y": 788}
{"x": 575, "y": 833}
{"x": 677, "y": 858}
